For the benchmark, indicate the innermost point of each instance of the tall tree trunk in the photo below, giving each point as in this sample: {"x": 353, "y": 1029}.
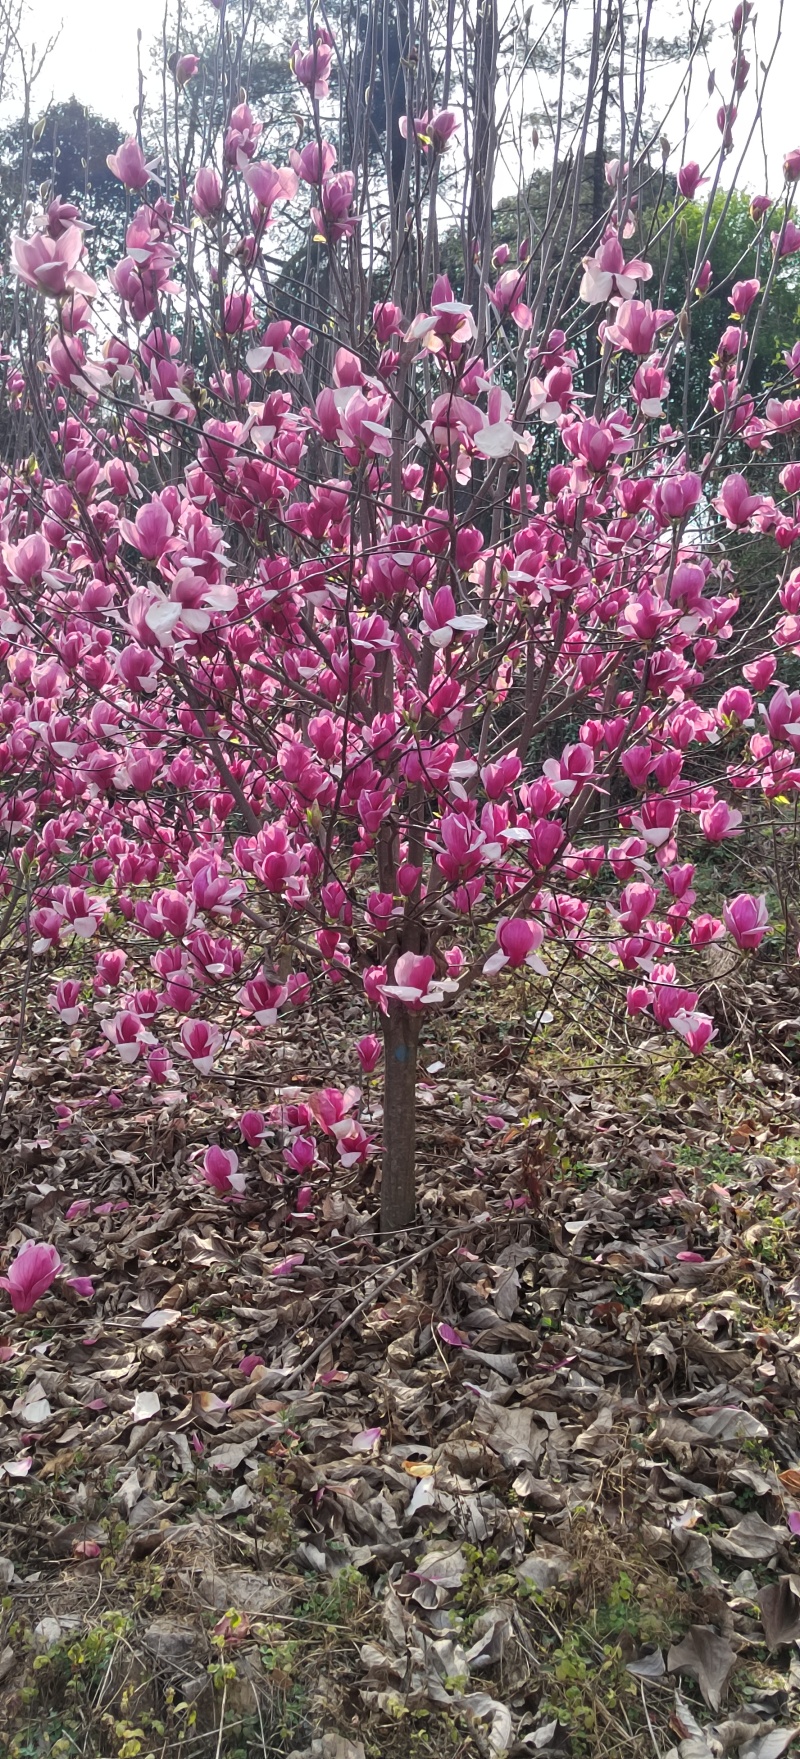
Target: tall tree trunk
{"x": 398, "y": 1178}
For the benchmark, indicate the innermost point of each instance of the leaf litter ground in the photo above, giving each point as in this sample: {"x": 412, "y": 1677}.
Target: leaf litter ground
{"x": 527, "y": 1481}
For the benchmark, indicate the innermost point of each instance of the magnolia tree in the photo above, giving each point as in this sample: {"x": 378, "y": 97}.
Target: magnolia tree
{"x": 371, "y": 627}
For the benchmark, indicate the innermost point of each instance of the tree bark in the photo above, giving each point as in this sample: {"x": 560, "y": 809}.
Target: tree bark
{"x": 398, "y": 1178}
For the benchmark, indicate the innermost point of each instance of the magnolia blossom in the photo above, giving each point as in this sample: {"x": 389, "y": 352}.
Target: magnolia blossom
{"x": 312, "y": 66}
{"x": 220, "y": 1171}
{"x": 31, "y": 1274}
{"x": 128, "y": 164}
{"x": 199, "y": 1042}
{"x": 571, "y": 770}
{"x": 607, "y": 273}
{"x": 126, "y": 1031}
{"x": 696, "y": 1029}
{"x": 518, "y": 940}
{"x": 415, "y": 983}
{"x": 747, "y": 920}
{"x": 262, "y": 999}
{"x": 369, "y": 1051}
{"x": 253, "y": 1126}
{"x": 721, "y": 821}
{"x": 434, "y": 129}
{"x": 352, "y": 1142}
{"x": 50, "y": 265}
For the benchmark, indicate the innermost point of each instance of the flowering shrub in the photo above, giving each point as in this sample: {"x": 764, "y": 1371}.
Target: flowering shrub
{"x": 383, "y": 636}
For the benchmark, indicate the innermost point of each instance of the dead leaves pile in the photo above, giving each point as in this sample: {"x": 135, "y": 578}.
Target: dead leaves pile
{"x": 559, "y": 1368}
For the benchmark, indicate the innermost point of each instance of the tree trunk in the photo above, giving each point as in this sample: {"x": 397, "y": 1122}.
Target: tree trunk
{"x": 398, "y": 1178}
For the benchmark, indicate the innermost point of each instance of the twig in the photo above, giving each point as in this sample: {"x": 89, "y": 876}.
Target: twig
{"x": 656, "y": 1748}
{"x": 222, "y": 1719}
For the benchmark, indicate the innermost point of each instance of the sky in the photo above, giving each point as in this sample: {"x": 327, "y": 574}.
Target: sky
{"x": 94, "y": 59}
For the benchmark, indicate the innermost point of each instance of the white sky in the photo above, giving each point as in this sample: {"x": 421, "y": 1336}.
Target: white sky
{"x": 95, "y": 59}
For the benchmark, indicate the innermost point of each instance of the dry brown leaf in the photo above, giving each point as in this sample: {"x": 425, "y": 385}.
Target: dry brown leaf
{"x": 709, "y": 1659}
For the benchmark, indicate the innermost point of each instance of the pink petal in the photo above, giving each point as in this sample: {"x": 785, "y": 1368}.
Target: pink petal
{"x": 248, "y": 1363}
{"x": 449, "y": 1335}
{"x": 364, "y": 1442}
{"x": 287, "y": 1265}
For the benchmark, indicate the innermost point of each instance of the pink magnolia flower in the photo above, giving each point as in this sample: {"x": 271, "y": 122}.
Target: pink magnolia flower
{"x": 126, "y": 1031}
{"x": 262, "y": 1000}
{"x": 735, "y": 502}
{"x": 571, "y": 770}
{"x": 280, "y": 350}
{"x": 330, "y": 1105}
{"x": 220, "y": 1170}
{"x": 636, "y": 904}
{"x": 635, "y": 326}
{"x": 313, "y": 162}
{"x": 677, "y": 495}
{"x": 81, "y": 912}
{"x": 352, "y": 1142}
{"x": 388, "y": 320}
{"x": 787, "y": 241}
{"x": 690, "y": 180}
{"x": 416, "y": 984}
{"x": 518, "y": 940}
{"x": 199, "y": 1042}
{"x": 50, "y": 265}
{"x": 334, "y": 219}
{"x": 207, "y": 193}
{"x": 760, "y": 672}
{"x": 747, "y": 919}
{"x": 238, "y": 314}
{"x": 650, "y": 386}
{"x": 31, "y": 1274}
{"x": 607, "y": 273}
{"x": 791, "y": 165}
{"x": 312, "y": 66}
{"x": 159, "y": 1067}
{"x": 720, "y": 821}
{"x": 186, "y": 67}
{"x": 506, "y": 297}
{"x": 269, "y": 184}
{"x": 253, "y": 1126}
{"x": 301, "y": 1154}
{"x": 705, "y": 930}
{"x": 66, "y": 1001}
{"x": 242, "y": 135}
{"x": 743, "y": 295}
{"x": 431, "y": 130}
{"x": 369, "y": 1051}
{"x": 696, "y": 1030}
{"x": 150, "y": 531}
{"x": 128, "y": 163}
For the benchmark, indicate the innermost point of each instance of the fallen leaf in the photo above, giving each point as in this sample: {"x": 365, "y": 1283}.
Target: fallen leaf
{"x": 769, "y": 1746}
{"x": 709, "y": 1659}
{"x": 228, "y": 1457}
{"x": 145, "y": 1406}
{"x": 160, "y": 1318}
{"x": 730, "y": 1424}
{"x": 751, "y": 1538}
{"x": 779, "y": 1605}
{"x": 648, "y": 1666}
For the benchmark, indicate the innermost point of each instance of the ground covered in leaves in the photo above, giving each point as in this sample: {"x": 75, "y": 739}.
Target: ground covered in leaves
{"x": 527, "y": 1481}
